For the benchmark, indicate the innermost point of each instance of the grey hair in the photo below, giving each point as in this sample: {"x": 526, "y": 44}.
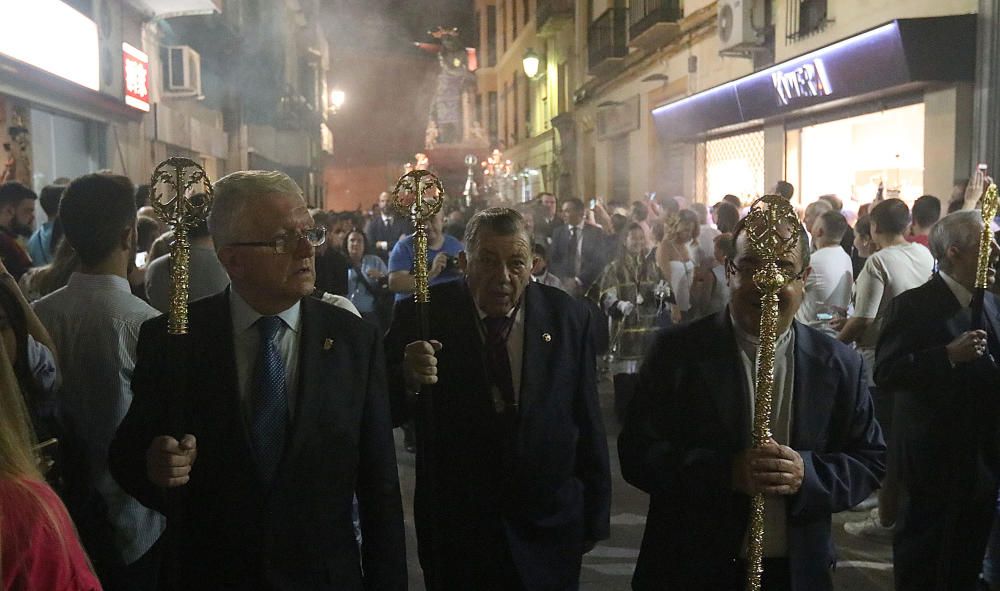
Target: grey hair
{"x": 818, "y": 208}
{"x": 235, "y": 193}
{"x": 502, "y": 221}
{"x": 961, "y": 229}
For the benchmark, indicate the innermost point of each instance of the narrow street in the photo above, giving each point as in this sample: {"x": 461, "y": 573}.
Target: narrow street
{"x": 864, "y": 564}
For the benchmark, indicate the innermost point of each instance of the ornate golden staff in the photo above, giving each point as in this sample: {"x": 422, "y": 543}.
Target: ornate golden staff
{"x": 772, "y": 232}
{"x": 181, "y": 194}
{"x": 989, "y": 206}
{"x": 420, "y": 195}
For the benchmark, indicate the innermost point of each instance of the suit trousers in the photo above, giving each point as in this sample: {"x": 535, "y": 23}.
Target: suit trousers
{"x": 777, "y": 575}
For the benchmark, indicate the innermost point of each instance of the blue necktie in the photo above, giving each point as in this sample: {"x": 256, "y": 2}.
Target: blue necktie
{"x": 270, "y": 404}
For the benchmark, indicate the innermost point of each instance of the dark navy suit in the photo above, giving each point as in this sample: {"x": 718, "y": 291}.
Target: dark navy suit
{"x": 234, "y": 532}
{"x": 691, "y": 416}
{"x": 508, "y": 500}
{"x": 944, "y": 448}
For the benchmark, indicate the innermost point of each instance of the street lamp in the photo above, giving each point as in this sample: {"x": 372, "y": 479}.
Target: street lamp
{"x": 531, "y": 63}
{"x": 337, "y": 99}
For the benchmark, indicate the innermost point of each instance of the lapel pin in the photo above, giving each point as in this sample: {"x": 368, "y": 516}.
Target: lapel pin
{"x": 327, "y": 344}
{"x": 546, "y": 337}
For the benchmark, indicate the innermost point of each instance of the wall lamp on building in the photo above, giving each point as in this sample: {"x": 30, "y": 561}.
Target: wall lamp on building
{"x": 607, "y": 104}
{"x": 532, "y": 64}
{"x": 337, "y": 99}
{"x": 663, "y": 78}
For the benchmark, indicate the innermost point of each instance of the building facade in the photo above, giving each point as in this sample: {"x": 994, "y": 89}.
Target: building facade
{"x": 700, "y": 98}
{"x": 231, "y": 84}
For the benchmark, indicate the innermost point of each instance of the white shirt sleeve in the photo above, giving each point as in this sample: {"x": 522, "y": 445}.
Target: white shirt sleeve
{"x": 869, "y": 288}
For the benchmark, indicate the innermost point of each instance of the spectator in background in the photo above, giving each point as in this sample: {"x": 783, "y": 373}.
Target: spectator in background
{"x": 734, "y": 201}
{"x": 39, "y": 282}
{"x": 367, "y": 277}
{"x": 847, "y": 242}
{"x": 39, "y": 548}
{"x": 863, "y": 246}
{"x": 95, "y": 322}
{"x": 785, "y": 189}
{"x": 706, "y": 237}
{"x": 17, "y": 215}
{"x": 207, "y": 275}
{"x": 639, "y": 215}
{"x": 831, "y": 278}
{"x": 147, "y": 230}
{"x": 540, "y": 267}
{"x": 926, "y": 212}
{"x": 726, "y": 216}
{"x": 579, "y": 251}
{"x": 547, "y": 218}
{"x": 331, "y": 260}
{"x": 455, "y": 226}
{"x": 442, "y": 260}
{"x": 141, "y": 197}
{"x": 812, "y": 213}
{"x": 41, "y": 245}
{"x": 674, "y": 260}
{"x": 386, "y": 227}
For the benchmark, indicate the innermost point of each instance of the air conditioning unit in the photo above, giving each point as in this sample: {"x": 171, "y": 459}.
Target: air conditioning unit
{"x": 183, "y": 72}
{"x": 736, "y": 30}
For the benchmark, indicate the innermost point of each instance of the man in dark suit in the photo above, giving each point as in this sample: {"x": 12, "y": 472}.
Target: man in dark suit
{"x": 386, "y": 227}
{"x": 513, "y": 483}
{"x": 546, "y": 219}
{"x": 687, "y": 442}
{"x": 944, "y": 449}
{"x": 579, "y": 250}
{"x": 268, "y": 419}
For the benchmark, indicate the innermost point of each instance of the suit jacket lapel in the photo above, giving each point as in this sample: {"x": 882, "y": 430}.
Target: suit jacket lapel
{"x": 312, "y": 359}
{"x": 722, "y": 371}
{"x": 536, "y": 352}
{"x": 813, "y": 393}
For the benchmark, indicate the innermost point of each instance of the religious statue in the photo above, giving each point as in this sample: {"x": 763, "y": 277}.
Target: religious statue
{"x": 455, "y": 85}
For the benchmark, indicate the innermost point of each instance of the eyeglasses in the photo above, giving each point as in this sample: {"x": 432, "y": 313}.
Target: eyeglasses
{"x": 288, "y": 242}
{"x": 747, "y": 271}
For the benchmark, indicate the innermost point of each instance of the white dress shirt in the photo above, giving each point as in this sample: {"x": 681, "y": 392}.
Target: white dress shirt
{"x": 94, "y": 322}
{"x": 515, "y": 346}
{"x": 963, "y": 295}
{"x": 246, "y": 344}
{"x": 827, "y": 288}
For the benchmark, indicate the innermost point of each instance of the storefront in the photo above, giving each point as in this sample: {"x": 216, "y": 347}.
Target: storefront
{"x": 63, "y": 91}
{"x": 868, "y": 110}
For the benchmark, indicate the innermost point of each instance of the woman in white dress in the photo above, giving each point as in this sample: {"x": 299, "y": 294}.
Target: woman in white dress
{"x": 675, "y": 261}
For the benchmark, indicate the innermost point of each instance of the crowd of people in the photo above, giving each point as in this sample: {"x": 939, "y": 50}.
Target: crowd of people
{"x": 256, "y": 451}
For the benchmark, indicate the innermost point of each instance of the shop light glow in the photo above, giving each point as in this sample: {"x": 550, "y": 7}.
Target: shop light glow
{"x": 834, "y": 51}
{"x": 50, "y": 35}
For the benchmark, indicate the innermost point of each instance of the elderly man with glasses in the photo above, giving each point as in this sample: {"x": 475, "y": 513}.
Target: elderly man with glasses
{"x": 687, "y": 442}
{"x": 284, "y": 417}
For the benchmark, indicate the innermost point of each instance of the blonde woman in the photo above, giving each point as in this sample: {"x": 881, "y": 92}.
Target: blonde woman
{"x": 675, "y": 261}
{"x": 39, "y": 548}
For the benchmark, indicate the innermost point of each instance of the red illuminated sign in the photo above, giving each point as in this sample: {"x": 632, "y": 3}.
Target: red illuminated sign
{"x": 136, "y": 77}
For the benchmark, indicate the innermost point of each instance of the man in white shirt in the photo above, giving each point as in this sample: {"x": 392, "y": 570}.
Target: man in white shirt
{"x": 95, "y": 322}
{"x": 831, "y": 278}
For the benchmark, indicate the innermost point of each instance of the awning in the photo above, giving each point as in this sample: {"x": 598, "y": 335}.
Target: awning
{"x": 895, "y": 56}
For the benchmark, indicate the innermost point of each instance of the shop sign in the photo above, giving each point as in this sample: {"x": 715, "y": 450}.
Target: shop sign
{"x": 807, "y": 81}
{"x": 136, "y": 77}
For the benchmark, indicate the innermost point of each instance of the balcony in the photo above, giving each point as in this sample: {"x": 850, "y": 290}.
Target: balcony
{"x": 551, "y": 15}
{"x": 654, "y": 23}
{"x": 607, "y": 41}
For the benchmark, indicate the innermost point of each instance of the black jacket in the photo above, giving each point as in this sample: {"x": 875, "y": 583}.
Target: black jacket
{"x": 297, "y": 534}
{"x": 546, "y": 490}
{"x": 944, "y": 445}
{"x": 690, "y": 417}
